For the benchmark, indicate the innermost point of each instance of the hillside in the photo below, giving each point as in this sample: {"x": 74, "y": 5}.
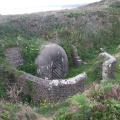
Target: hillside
{"x": 89, "y": 28}
{"x": 83, "y": 27}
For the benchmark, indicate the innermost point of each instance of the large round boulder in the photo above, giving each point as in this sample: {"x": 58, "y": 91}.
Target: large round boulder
{"x": 52, "y": 62}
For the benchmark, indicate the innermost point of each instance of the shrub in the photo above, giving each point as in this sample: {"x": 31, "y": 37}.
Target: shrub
{"x": 115, "y": 4}
{"x": 92, "y": 105}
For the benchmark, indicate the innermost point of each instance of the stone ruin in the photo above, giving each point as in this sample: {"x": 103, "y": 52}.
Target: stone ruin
{"x": 52, "y": 67}
{"x": 75, "y": 57}
{"x": 108, "y": 66}
{"x": 52, "y": 62}
{"x": 51, "y": 90}
{"x": 14, "y": 56}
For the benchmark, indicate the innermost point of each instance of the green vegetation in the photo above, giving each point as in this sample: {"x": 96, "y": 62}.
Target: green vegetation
{"x": 16, "y": 112}
{"x": 115, "y": 4}
{"x": 2, "y": 89}
{"x": 87, "y": 41}
{"x": 89, "y": 32}
{"x": 108, "y": 38}
{"x": 96, "y": 104}
{"x": 74, "y": 15}
{"x": 9, "y": 111}
{"x": 30, "y": 50}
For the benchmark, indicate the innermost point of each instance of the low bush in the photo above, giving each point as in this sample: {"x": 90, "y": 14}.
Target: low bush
{"x": 115, "y": 4}
{"x": 93, "y": 105}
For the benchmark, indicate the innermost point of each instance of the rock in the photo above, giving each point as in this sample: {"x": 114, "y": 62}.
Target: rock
{"x": 70, "y": 81}
{"x": 14, "y": 56}
{"x": 51, "y": 90}
{"x": 52, "y": 62}
{"x": 108, "y": 66}
{"x": 76, "y": 59}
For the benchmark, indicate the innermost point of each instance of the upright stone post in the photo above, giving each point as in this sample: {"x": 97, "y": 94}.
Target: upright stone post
{"x": 75, "y": 57}
{"x": 108, "y": 66}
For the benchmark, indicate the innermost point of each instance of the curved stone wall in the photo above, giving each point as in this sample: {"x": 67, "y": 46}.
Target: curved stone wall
{"x": 51, "y": 90}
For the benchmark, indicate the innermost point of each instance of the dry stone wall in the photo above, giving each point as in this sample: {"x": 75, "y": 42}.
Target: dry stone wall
{"x": 45, "y": 88}
{"x": 57, "y": 89}
{"x": 108, "y": 66}
{"x": 51, "y": 90}
{"x": 13, "y": 55}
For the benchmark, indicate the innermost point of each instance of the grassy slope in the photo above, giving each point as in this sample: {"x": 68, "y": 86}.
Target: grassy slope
{"x": 83, "y": 27}
{"x": 87, "y": 29}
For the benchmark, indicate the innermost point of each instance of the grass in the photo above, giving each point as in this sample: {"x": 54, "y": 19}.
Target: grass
{"x": 108, "y": 38}
{"x": 86, "y": 105}
{"x": 91, "y": 68}
{"x": 81, "y": 100}
{"x": 92, "y": 105}
{"x": 49, "y": 109}
{"x": 16, "y": 111}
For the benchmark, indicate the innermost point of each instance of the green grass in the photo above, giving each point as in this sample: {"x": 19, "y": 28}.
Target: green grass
{"x": 79, "y": 36}
{"x": 49, "y": 109}
{"x": 91, "y": 105}
{"x": 115, "y": 5}
{"x": 91, "y": 68}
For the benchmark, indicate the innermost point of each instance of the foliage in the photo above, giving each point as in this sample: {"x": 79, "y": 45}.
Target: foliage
{"x": 115, "y": 4}
{"x": 2, "y": 89}
{"x": 47, "y": 108}
{"x": 91, "y": 105}
{"x": 17, "y": 111}
{"x": 94, "y": 105}
{"x": 74, "y": 15}
{"x": 9, "y": 111}
{"x": 30, "y": 50}
{"x": 2, "y": 82}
